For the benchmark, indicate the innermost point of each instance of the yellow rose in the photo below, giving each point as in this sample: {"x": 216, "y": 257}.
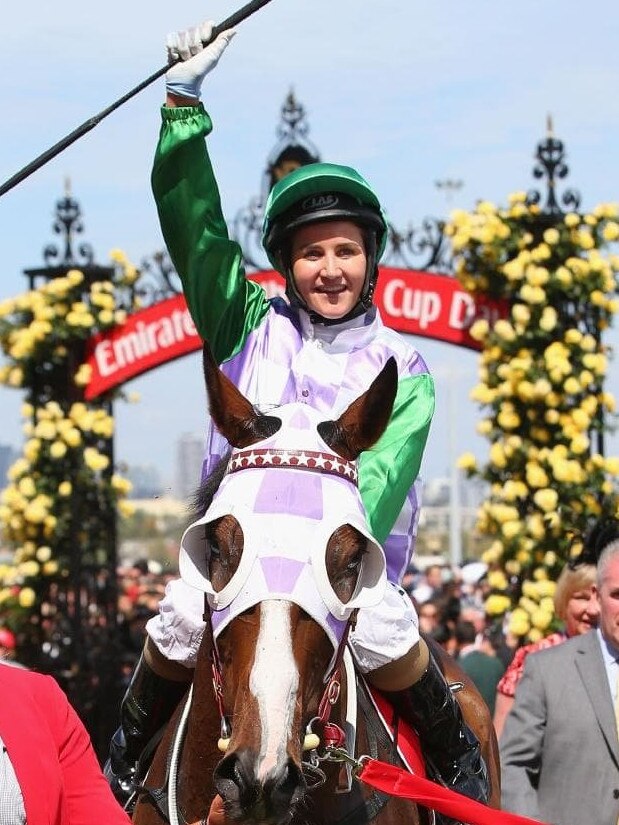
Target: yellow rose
{"x": 552, "y": 236}
{"x": 95, "y": 460}
{"x": 58, "y": 449}
{"x": 44, "y": 553}
{"x": 29, "y": 568}
{"x": 546, "y": 499}
{"x": 521, "y": 313}
{"x": 548, "y": 321}
{"x": 510, "y": 529}
{"x": 497, "y": 580}
{"x": 27, "y": 487}
{"x": 535, "y": 526}
{"x": 508, "y": 420}
{"x": 519, "y": 623}
{"x": 532, "y": 294}
{"x": 484, "y": 426}
{"x": 83, "y": 375}
{"x": 65, "y": 488}
{"x": 26, "y": 597}
{"x": 541, "y": 619}
{"x": 121, "y": 484}
{"x": 467, "y": 461}
{"x": 497, "y": 605}
{"x": 479, "y": 329}
{"x": 504, "y": 330}
{"x": 572, "y": 386}
{"x": 72, "y": 436}
{"x": 126, "y": 508}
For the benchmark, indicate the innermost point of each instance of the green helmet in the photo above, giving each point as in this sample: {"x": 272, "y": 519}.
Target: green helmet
{"x": 321, "y": 192}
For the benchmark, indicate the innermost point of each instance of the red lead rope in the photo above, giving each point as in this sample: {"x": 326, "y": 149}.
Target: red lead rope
{"x": 397, "y": 782}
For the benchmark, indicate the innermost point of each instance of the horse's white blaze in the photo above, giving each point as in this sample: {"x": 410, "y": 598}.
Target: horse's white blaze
{"x": 274, "y": 681}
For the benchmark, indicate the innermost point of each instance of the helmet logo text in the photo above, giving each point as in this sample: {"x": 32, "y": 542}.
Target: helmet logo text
{"x": 315, "y": 202}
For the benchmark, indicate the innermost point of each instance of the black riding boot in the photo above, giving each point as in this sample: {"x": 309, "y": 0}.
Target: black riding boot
{"x": 147, "y": 706}
{"x": 449, "y": 745}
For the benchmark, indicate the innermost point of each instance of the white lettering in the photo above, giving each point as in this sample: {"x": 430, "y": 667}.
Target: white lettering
{"x": 113, "y": 354}
{"x": 389, "y": 297}
{"x": 165, "y": 336}
{"x": 462, "y": 311}
{"x": 104, "y": 360}
{"x": 128, "y": 349}
{"x": 189, "y": 327}
{"x": 413, "y": 304}
{"x": 430, "y": 308}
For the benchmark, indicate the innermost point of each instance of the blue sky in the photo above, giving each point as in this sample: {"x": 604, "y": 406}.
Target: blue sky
{"x": 409, "y": 92}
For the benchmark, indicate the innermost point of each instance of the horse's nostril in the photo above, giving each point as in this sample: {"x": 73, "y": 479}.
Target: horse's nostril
{"x": 235, "y": 780}
{"x": 288, "y": 787}
{"x": 246, "y": 797}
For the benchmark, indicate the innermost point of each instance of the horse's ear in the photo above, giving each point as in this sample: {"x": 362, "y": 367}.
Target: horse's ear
{"x": 365, "y": 420}
{"x": 233, "y": 415}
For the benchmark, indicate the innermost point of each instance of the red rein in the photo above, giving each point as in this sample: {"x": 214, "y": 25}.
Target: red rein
{"x": 397, "y": 782}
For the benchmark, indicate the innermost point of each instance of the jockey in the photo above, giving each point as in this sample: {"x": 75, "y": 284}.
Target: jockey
{"x": 325, "y": 231}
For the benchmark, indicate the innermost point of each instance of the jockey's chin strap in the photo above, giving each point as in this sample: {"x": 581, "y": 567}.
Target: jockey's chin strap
{"x": 319, "y": 729}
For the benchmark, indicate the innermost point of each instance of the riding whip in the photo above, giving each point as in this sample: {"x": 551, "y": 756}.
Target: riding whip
{"x": 234, "y": 19}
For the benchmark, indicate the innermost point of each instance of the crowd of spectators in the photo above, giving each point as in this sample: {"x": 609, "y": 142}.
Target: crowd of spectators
{"x": 450, "y": 605}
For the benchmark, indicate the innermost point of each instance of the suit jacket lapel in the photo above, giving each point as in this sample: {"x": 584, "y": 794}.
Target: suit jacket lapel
{"x": 590, "y": 665}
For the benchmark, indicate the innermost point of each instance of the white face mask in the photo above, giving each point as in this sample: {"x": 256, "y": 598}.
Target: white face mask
{"x": 287, "y": 515}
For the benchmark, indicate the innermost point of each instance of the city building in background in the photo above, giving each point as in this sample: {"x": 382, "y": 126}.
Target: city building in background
{"x": 146, "y": 481}
{"x": 188, "y": 465}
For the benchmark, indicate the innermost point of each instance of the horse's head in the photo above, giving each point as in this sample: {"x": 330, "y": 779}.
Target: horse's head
{"x": 285, "y": 557}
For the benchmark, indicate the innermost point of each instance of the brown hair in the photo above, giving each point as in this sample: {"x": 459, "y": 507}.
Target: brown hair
{"x": 569, "y": 582}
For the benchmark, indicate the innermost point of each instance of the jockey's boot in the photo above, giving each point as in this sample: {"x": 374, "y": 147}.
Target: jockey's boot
{"x": 450, "y": 747}
{"x": 147, "y": 706}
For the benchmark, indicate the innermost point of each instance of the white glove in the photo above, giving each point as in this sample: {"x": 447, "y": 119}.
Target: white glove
{"x": 185, "y": 78}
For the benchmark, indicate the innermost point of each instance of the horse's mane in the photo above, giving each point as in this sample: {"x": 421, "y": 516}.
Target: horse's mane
{"x": 203, "y": 496}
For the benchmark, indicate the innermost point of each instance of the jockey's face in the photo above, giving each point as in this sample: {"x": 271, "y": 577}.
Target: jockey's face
{"x": 328, "y": 266}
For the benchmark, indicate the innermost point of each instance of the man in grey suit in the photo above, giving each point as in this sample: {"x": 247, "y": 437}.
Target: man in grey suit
{"x": 559, "y": 748}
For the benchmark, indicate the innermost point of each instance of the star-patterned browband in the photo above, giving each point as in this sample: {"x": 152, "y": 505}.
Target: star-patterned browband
{"x": 312, "y": 460}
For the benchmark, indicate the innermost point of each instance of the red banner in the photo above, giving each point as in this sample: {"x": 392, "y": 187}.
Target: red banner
{"x": 147, "y": 339}
{"x": 410, "y": 301}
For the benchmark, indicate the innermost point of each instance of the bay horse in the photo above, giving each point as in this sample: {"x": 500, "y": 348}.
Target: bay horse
{"x": 284, "y": 558}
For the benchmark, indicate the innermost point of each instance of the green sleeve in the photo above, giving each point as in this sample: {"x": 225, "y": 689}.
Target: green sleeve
{"x": 389, "y": 469}
{"x": 224, "y": 305}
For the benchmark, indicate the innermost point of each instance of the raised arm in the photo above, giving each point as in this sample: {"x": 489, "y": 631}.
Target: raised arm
{"x": 225, "y": 306}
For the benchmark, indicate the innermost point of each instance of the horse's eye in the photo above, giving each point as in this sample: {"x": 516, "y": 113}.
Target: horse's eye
{"x": 215, "y": 549}
{"x": 355, "y": 563}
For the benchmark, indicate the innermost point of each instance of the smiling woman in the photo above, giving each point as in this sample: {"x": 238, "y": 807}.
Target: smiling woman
{"x": 329, "y": 267}
{"x": 576, "y": 606}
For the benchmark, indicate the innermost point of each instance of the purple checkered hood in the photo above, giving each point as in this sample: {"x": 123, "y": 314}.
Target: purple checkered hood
{"x": 289, "y": 493}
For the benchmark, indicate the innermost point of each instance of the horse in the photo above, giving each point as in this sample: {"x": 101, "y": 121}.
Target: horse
{"x": 267, "y": 684}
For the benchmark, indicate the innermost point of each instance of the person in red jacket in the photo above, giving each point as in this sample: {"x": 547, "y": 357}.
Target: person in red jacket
{"x": 50, "y": 774}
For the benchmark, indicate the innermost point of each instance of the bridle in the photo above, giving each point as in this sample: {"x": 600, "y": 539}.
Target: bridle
{"x": 319, "y": 730}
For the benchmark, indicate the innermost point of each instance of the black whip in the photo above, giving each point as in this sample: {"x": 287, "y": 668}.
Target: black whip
{"x": 229, "y": 23}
